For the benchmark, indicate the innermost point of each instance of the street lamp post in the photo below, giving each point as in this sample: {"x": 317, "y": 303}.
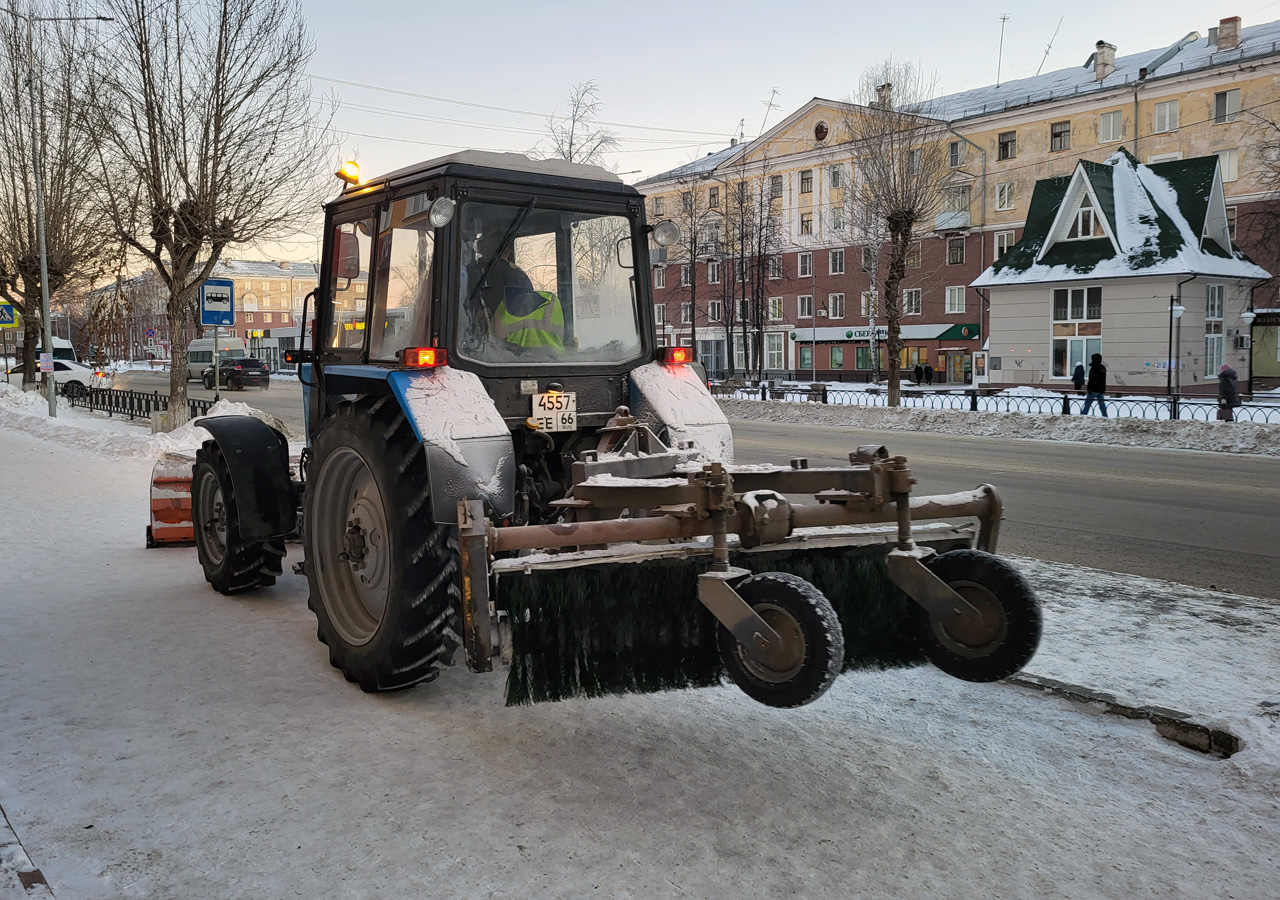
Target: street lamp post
{"x": 1176, "y": 310}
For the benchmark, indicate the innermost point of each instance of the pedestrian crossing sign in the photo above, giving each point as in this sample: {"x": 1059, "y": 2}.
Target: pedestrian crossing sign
{"x": 8, "y": 318}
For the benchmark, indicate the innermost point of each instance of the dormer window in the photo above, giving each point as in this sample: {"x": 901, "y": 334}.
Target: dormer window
{"x": 1085, "y": 224}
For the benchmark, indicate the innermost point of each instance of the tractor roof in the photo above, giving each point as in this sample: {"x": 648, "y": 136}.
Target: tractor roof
{"x": 504, "y": 162}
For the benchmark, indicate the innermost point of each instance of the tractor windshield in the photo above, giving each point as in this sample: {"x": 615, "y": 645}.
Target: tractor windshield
{"x": 546, "y": 286}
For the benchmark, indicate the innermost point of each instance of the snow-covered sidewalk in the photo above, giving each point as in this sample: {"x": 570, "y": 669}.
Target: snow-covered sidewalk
{"x": 160, "y": 741}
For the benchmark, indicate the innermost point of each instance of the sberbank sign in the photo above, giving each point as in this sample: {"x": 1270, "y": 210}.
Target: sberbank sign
{"x": 880, "y": 333}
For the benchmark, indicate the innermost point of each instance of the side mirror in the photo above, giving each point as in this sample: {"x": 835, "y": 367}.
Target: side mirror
{"x": 626, "y": 259}
{"x": 346, "y": 255}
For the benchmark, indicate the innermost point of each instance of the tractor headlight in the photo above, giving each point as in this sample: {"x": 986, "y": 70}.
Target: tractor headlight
{"x": 666, "y": 233}
{"x": 442, "y": 211}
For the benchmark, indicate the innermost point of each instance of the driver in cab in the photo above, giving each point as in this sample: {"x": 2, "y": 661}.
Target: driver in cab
{"x": 518, "y": 314}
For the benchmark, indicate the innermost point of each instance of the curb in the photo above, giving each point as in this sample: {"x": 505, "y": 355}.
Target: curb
{"x": 1170, "y": 724}
{"x": 14, "y": 857}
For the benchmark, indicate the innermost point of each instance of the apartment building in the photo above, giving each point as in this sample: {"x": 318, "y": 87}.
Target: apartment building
{"x": 1199, "y": 97}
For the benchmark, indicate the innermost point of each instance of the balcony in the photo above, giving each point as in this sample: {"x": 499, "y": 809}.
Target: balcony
{"x": 951, "y": 220}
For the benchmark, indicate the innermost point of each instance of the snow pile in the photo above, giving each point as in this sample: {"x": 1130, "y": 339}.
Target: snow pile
{"x": 1229, "y": 437}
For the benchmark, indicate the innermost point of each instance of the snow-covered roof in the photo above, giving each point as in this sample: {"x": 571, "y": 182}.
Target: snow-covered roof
{"x": 252, "y": 268}
{"x": 1159, "y": 220}
{"x": 1256, "y": 41}
{"x": 707, "y": 163}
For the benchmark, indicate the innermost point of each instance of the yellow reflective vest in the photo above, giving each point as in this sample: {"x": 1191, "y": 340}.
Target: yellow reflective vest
{"x": 544, "y": 327}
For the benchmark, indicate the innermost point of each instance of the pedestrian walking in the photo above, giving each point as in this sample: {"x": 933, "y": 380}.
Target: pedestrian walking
{"x": 928, "y": 373}
{"x": 1077, "y": 377}
{"x": 1228, "y": 393}
{"x": 919, "y": 373}
{"x": 1096, "y": 389}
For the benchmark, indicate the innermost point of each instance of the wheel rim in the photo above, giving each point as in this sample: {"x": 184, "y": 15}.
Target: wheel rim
{"x": 213, "y": 528}
{"x": 974, "y": 635}
{"x": 791, "y": 654}
{"x": 352, "y": 546}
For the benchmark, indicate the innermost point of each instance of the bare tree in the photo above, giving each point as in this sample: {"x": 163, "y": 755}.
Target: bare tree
{"x": 700, "y": 240}
{"x": 902, "y": 159}
{"x": 76, "y": 242}
{"x": 575, "y": 136}
{"x": 210, "y": 138}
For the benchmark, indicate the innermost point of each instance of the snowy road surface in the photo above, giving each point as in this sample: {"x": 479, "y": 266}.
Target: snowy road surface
{"x": 158, "y": 740}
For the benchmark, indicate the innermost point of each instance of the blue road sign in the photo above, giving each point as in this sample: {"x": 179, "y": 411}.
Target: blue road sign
{"x": 217, "y": 303}
{"x": 7, "y": 317}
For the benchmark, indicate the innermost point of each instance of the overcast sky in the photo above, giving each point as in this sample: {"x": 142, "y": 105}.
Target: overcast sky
{"x": 697, "y": 67}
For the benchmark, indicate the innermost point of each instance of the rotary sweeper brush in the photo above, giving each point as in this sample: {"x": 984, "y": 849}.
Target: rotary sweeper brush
{"x": 499, "y": 458}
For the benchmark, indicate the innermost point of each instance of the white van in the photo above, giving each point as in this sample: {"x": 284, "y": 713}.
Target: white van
{"x": 200, "y": 353}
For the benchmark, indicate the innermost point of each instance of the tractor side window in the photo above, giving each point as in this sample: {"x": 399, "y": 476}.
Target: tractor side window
{"x": 352, "y": 252}
{"x": 401, "y": 314}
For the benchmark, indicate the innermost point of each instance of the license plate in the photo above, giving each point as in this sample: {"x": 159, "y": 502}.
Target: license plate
{"x": 555, "y": 412}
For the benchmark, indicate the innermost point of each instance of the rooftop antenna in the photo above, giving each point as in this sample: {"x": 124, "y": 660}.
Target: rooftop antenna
{"x": 769, "y": 106}
{"x": 1004, "y": 17}
{"x": 1050, "y": 47}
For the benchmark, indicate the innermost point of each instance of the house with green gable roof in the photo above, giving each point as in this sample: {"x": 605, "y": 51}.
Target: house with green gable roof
{"x": 1132, "y": 261}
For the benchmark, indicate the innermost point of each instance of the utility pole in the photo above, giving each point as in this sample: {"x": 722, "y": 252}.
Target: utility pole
{"x": 51, "y": 381}
{"x": 1004, "y": 17}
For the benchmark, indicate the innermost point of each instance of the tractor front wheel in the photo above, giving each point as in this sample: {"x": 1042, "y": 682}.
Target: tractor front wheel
{"x": 996, "y": 640}
{"x": 231, "y": 564}
{"x": 812, "y": 651}
{"x": 384, "y": 576}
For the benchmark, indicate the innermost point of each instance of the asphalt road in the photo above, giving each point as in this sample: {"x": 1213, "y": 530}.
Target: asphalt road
{"x": 1204, "y": 519}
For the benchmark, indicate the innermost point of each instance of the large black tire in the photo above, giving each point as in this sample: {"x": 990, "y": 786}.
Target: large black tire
{"x": 207, "y": 382}
{"x": 390, "y": 610}
{"x": 231, "y": 564}
{"x": 806, "y": 622}
{"x": 1006, "y": 636}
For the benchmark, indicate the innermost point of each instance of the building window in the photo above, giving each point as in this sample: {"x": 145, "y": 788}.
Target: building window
{"x": 775, "y": 186}
{"x": 1007, "y": 145}
{"x": 744, "y": 271}
{"x": 1226, "y": 107}
{"x": 248, "y": 318}
{"x": 686, "y": 312}
{"x": 1077, "y": 304}
{"x": 1060, "y": 136}
{"x": 714, "y": 310}
{"x": 836, "y": 174}
{"x": 806, "y": 356}
{"x": 915, "y": 161}
{"x": 1086, "y": 224}
{"x": 1213, "y": 340}
{"x": 660, "y": 277}
{"x": 958, "y": 198}
{"x": 686, "y": 201}
{"x": 868, "y": 259}
{"x": 804, "y": 264}
{"x": 1231, "y": 222}
{"x": 773, "y": 351}
{"x": 659, "y": 206}
{"x": 1229, "y": 162}
{"x": 775, "y": 309}
{"x": 868, "y": 304}
{"x": 837, "y": 220}
{"x": 837, "y": 357}
{"x": 713, "y": 197}
{"x": 1164, "y": 157}
{"x": 1004, "y": 195}
{"x": 836, "y": 262}
{"x": 913, "y": 256}
{"x": 686, "y": 274}
{"x": 1004, "y": 240}
{"x": 775, "y": 267}
{"x": 744, "y": 310}
{"x": 806, "y": 181}
{"x": 955, "y": 154}
{"x": 741, "y": 191}
{"x": 835, "y": 306}
{"x": 806, "y": 223}
{"x": 1167, "y": 116}
{"x": 713, "y": 271}
{"x": 660, "y": 315}
{"x": 266, "y": 318}
{"x": 804, "y": 306}
{"x": 911, "y": 298}
{"x": 955, "y": 251}
{"x": 284, "y": 318}
{"x": 955, "y": 299}
{"x": 1110, "y": 126}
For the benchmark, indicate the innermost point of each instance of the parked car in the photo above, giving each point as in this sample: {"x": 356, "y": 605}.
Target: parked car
{"x": 200, "y": 354}
{"x": 238, "y": 373}
{"x": 72, "y": 378}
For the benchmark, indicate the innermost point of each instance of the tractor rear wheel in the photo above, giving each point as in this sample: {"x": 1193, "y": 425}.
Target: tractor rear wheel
{"x": 384, "y": 576}
{"x": 231, "y": 564}
{"x": 812, "y": 641}
{"x": 1004, "y": 634}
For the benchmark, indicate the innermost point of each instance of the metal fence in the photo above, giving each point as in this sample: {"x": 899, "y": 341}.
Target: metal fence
{"x": 973, "y": 400}
{"x": 134, "y": 404}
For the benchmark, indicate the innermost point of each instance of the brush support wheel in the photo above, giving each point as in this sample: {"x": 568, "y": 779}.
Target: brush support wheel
{"x": 812, "y": 650}
{"x": 1000, "y": 638}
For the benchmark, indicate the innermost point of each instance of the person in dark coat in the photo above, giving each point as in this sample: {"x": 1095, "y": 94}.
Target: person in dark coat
{"x": 928, "y": 373}
{"x": 1077, "y": 377}
{"x": 1096, "y": 389}
{"x": 919, "y": 373}
{"x": 1228, "y": 393}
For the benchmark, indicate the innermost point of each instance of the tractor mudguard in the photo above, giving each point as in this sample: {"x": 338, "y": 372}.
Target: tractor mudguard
{"x": 258, "y": 460}
{"x": 469, "y": 451}
{"x": 675, "y": 396}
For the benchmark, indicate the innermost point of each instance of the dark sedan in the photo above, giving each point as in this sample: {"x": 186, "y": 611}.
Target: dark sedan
{"x": 239, "y": 373}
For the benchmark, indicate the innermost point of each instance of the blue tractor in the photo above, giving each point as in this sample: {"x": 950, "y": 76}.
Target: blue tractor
{"x": 486, "y": 405}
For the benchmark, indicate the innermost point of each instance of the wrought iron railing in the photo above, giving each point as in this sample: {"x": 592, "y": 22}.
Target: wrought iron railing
{"x": 133, "y": 404}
